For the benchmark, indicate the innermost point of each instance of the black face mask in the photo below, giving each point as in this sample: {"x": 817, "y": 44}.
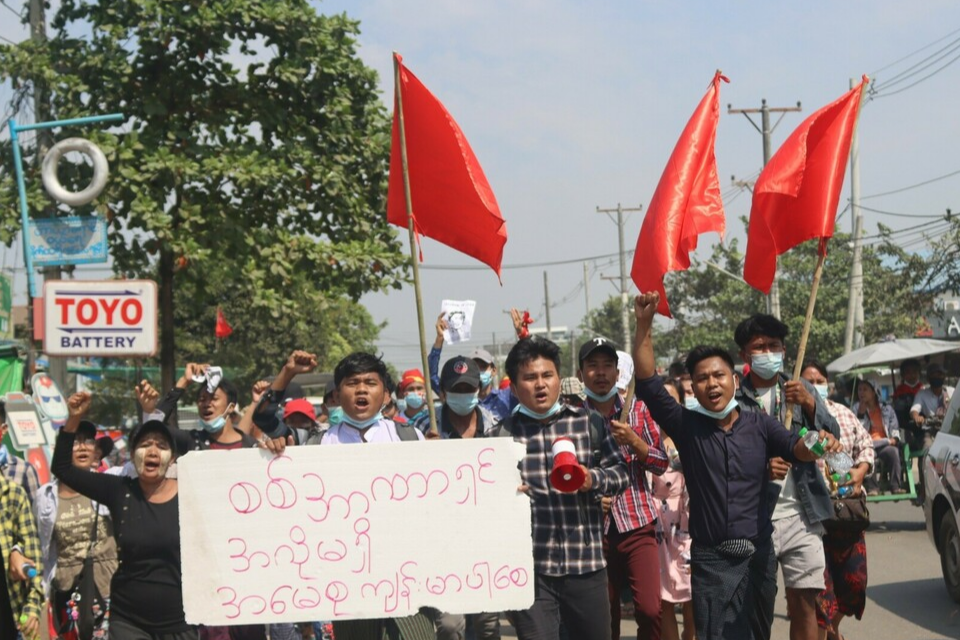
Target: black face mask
{"x": 936, "y": 382}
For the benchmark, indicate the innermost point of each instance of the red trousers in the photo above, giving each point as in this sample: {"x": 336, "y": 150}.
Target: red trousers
{"x": 633, "y": 559}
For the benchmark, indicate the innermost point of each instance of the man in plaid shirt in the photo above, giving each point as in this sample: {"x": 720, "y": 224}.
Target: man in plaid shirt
{"x": 630, "y": 541}
{"x": 21, "y": 596}
{"x": 571, "y": 576}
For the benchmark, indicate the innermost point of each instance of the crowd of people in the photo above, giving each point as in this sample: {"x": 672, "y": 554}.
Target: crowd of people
{"x": 697, "y": 489}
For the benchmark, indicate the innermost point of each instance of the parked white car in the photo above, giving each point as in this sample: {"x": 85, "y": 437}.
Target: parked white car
{"x": 941, "y": 507}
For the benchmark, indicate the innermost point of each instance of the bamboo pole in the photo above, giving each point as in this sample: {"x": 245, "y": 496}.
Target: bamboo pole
{"x": 413, "y": 245}
{"x": 805, "y": 334}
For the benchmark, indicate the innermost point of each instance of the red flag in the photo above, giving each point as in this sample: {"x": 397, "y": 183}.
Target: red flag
{"x": 686, "y": 203}
{"x": 795, "y": 198}
{"x": 223, "y": 328}
{"x": 452, "y": 200}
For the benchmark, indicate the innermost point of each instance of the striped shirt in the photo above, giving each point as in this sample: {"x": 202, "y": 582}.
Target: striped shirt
{"x": 22, "y": 473}
{"x": 567, "y": 527}
{"x": 635, "y": 507}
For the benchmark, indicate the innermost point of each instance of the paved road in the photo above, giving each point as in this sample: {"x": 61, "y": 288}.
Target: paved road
{"x": 906, "y": 599}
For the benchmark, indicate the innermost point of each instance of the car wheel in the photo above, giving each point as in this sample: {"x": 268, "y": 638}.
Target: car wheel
{"x": 950, "y": 555}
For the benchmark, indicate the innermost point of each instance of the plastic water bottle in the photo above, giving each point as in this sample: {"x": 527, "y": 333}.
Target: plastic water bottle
{"x": 839, "y": 462}
{"x": 811, "y": 440}
{"x": 843, "y": 491}
{"x": 29, "y": 570}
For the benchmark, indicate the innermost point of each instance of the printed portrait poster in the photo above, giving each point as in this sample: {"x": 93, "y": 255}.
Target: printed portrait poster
{"x": 459, "y": 317}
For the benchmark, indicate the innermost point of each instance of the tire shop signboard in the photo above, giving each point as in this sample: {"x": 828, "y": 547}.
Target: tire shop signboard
{"x": 105, "y": 318}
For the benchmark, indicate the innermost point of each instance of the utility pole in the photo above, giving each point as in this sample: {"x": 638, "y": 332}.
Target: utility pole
{"x": 41, "y": 113}
{"x": 624, "y": 291}
{"x": 853, "y": 334}
{"x": 773, "y": 299}
{"x": 546, "y": 302}
{"x": 586, "y": 291}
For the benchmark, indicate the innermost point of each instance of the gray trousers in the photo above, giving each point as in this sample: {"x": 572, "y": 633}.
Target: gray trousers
{"x": 453, "y": 626}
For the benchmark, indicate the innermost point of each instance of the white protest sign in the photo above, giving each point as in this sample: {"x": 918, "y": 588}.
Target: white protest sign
{"x": 354, "y": 531}
{"x": 459, "y": 317}
{"x": 108, "y": 318}
{"x": 624, "y": 370}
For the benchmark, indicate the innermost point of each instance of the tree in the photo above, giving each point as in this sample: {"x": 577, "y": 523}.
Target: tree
{"x": 708, "y": 304}
{"x": 250, "y": 169}
{"x": 605, "y": 321}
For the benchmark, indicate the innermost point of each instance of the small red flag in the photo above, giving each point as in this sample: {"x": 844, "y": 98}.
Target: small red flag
{"x": 686, "y": 203}
{"x": 223, "y": 328}
{"x": 795, "y": 197}
{"x": 452, "y": 200}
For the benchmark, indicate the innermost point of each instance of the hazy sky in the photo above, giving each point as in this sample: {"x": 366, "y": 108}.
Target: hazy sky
{"x": 574, "y": 105}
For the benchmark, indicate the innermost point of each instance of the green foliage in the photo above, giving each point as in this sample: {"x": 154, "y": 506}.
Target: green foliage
{"x": 606, "y": 321}
{"x": 250, "y": 170}
{"x": 708, "y": 304}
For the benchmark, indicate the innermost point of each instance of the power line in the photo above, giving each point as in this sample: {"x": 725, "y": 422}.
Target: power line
{"x": 11, "y": 9}
{"x": 903, "y": 215}
{"x": 919, "y": 67}
{"x": 926, "y": 77}
{"x": 523, "y": 265}
{"x": 910, "y": 55}
{"x": 912, "y": 186}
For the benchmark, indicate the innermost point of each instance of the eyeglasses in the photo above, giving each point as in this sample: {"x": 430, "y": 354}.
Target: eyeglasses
{"x": 86, "y": 442}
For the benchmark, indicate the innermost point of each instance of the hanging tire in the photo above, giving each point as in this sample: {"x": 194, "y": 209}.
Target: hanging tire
{"x": 48, "y": 172}
{"x": 950, "y": 554}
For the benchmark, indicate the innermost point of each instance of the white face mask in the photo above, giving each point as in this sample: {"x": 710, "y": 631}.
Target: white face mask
{"x": 140, "y": 455}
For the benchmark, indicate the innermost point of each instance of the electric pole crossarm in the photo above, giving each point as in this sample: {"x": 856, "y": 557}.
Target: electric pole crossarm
{"x": 625, "y": 310}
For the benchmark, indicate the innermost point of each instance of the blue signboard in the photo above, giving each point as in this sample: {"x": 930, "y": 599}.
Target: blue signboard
{"x": 71, "y": 240}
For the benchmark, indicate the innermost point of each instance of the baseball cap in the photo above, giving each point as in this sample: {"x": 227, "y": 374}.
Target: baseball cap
{"x": 597, "y": 344}
{"x": 571, "y": 387}
{"x": 88, "y": 429}
{"x": 302, "y": 406}
{"x": 457, "y": 370}
{"x": 329, "y": 389}
{"x": 409, "y": 377}
{"x": 483, "y": 355}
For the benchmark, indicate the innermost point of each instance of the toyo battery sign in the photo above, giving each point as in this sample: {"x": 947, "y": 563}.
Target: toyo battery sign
{"x": 106, "y": 318}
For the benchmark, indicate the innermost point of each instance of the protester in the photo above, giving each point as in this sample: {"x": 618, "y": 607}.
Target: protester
{"x": 301, "y": 418}
{"x": 571, "y": 391}
{"x": 361, "y": 381}
{"x": 146, "y": 590}
{"x": 571, "y": 577}
{"x": 21, "y": 596}
{"x": 910, "y": 384}
{"x": 880, "y": 421}
{"x": 73, "y": 527}
{"x": 845, "y": 593}
{"x": 104, "y": 448}
{"x": 332, "y": 413}
{"x": 630, "y": 530}
{"x": 931, "y": 403}
{"x": 461, "y": 416}
{"x": 13, "y": 468}
{"x": 413, "y": 390}
{"x": 493, "y": 399}
{"x": 725, "y": 452}
{"x": 798, "y": 492}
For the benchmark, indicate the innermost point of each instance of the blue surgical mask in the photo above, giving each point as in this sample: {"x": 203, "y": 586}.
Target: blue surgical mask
{"x": 362, "y": 424}
{"x": 690, "y": 402}
{"x": 596, "y": 397}
{"x": 822, "y": 389}
{"x": 486, "y": 378}
{"x": 217, "y": 424}
{"x": 335, "y": 416}
{"x": 462, "y": 404}
{"x": 555, "y": 409}
{"x": 767, "y": 365}
{"x": 719, "y": 415}
{"x": 413, "y": 400}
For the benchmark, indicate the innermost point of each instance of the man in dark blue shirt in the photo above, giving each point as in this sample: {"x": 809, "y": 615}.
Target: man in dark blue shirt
{"x": 724, "y": 453}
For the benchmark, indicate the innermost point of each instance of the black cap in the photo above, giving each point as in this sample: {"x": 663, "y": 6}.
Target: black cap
{"x": 88, "y": 429}
{"x": 457, "y": 370}
{"x": 607, "y": 346}
{"x": 105, "y": 445}
{"x": 180, "y": 444}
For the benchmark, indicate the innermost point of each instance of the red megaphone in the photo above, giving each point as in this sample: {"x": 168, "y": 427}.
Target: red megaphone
{"x": 567, "y": 474}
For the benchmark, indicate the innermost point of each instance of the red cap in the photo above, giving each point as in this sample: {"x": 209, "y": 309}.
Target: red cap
{"x": 409, "y": 377}
{"x": 505, "y": 383}
{"x": 302, "y": 406}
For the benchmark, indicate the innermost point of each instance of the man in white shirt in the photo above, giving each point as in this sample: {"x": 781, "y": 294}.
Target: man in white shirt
{"x": 932, "y": 401}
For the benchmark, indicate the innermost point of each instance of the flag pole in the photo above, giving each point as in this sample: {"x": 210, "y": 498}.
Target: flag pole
{"x": 807, "y": 321}
{"x": 413, "y": 245}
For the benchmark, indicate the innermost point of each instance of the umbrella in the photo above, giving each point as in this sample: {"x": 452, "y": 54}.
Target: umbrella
{"x": 890, "y": 352}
